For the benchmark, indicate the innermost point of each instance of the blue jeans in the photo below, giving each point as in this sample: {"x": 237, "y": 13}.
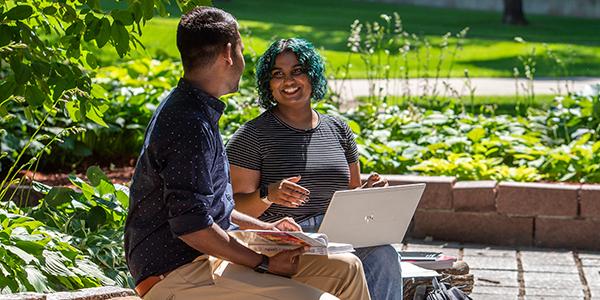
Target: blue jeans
{"x": 381, "y": 264}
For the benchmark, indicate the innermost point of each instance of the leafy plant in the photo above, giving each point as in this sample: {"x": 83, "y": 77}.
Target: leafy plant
{"x": 35, "y": 257}
{"x": 94, "y": 216}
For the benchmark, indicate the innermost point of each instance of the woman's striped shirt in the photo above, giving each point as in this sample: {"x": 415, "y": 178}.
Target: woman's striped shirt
{"x": 320, "y": 155}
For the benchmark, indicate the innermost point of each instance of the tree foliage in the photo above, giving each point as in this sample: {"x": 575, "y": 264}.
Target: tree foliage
{"x": 47, "y": 62}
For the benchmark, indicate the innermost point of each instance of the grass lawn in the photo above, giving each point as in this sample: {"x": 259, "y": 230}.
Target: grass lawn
{"x": 479, "y": 104}
{"x": 490, "y": 49}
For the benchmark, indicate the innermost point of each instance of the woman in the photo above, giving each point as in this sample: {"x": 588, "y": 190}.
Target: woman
{"x": 291, "y": 159}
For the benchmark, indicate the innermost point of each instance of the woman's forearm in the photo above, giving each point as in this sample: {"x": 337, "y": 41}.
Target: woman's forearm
{"x": 250, "y": 203}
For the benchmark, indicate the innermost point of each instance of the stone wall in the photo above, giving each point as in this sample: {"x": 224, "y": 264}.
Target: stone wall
{"x": 576, "y": 8}
{"x": 507, "y": 213}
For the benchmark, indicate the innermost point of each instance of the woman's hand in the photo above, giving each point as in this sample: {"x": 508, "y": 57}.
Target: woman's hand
{"x": 375, "y": 180}
{"x": 287, "y": 192}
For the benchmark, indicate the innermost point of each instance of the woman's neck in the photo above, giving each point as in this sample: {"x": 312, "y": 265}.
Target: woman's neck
{"x": 301, "y": 118}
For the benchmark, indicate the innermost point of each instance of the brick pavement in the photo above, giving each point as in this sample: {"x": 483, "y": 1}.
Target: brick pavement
{"x": 524, "y": 272}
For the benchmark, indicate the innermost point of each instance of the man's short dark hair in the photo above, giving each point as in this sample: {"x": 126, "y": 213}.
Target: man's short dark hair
{"x": 203, "y": 33}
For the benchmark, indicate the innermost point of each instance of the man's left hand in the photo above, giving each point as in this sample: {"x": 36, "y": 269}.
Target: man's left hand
{"x": 285, "y": 224}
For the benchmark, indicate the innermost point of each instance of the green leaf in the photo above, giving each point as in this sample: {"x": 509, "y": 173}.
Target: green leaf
{"x": 40, "y": 68}
{"x": 26, "y": 257}
{"x": 21, "y": 70}
{"x": 123, "y": 16}
{"x": 95, "y": 175}
{"x": 103, "y": 32}
{"x": 74, "y": 111}
{"x": 98, "y": 91}
{"x": 49, "y": 10}
{"x": 354, "y": 126}
{"x": 96, "y": 217}
{"x": 54, "y": 264}
{"x": 476, "y": 134}
{"x": 95, "y": 114}
{"x": 37, "y": 279}
{"x": 596, "y": 147}
{"x": 58, "y": 196}
{"x": 148, "y": 8}
{"x": 122, "y": 198}
{"x": 40, "y": 187}
{"x": 34, "y": 96}
{"x": 19, "y": 12}
{"x": 6, "y": 89}
{"x": 6, "y": 35}
{"x": 121, "y": 38}
{"x": 91, "y": 60}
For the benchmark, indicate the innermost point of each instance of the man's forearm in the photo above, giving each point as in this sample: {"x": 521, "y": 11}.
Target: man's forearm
{"x": 216, "y": 242}
{"x": 247, "y": 222}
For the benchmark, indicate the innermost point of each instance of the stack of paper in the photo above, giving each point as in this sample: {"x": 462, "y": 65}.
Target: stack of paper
{"x": 428, "y": 260}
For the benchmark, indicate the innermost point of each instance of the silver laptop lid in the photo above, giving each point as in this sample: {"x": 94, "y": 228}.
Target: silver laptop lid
{"x": 371, "y": 217}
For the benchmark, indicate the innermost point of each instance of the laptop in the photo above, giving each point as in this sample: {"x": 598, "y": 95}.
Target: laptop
{"x": 373, "y": 216}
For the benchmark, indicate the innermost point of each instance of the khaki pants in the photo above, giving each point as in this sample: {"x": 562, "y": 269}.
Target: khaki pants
{"x": 318, "y": 278}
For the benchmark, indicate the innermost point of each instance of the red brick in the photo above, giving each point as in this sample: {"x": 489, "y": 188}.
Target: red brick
{"x": 567, "y": 233}
{"x": 474, "y": 195}
{"x": 489, "y": 228}
{"x": 437, "y": 194}
{"x": 537, "y": 199}
{"x": 590, "y": 200}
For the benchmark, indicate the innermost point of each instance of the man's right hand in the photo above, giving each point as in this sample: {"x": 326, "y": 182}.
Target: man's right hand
{"x": 285, "y": 263}
{"x": 288, "y": 193}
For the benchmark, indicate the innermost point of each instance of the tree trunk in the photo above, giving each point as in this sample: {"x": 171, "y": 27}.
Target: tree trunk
{"x": 513, "y": 13}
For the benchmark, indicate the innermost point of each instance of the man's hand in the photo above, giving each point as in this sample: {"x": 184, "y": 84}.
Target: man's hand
{"x": 288, "y": 193}
{"x": 375, "y": 180}
{"x": 285, "y": 263}
{"x": 285, "y": 224}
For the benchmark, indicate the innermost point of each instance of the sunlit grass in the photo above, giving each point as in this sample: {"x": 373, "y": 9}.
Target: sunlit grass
{"x": 489, "y": 51}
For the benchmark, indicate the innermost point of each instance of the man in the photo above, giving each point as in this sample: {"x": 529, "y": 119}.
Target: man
{"x": 181, "y": 200}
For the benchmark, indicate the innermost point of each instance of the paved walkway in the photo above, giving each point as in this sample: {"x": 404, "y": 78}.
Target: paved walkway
{"x": 525, "y": 273}
{"x": 352, "y": 88}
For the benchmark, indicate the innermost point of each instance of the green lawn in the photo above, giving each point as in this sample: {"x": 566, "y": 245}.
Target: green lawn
{"x": 490, "y": 49}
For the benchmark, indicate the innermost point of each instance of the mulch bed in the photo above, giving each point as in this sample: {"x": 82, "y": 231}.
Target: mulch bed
{"x": 120, "y": 175}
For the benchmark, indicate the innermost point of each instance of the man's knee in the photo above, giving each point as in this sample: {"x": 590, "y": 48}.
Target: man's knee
{"x": 348, "y": 262}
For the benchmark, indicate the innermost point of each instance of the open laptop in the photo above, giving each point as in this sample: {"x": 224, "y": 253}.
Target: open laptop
{"x": 373, "y": 216}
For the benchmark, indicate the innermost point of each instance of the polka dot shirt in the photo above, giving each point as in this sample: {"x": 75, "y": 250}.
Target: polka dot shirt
{"x": 181, "y": 183}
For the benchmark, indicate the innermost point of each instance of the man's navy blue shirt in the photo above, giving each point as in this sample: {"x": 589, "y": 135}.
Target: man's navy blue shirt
{"x": 181, "y": 183}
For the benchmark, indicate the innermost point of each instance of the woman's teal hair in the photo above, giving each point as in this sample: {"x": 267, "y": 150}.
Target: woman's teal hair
{"x": 309, "y": 58}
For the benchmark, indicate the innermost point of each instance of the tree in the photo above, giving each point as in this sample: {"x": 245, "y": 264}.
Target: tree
{"x": 513, "y": 13}
{"x": 47, "y": 62}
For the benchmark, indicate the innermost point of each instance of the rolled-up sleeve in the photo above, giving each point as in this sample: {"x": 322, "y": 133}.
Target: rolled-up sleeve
{"x": 186, "y": 156}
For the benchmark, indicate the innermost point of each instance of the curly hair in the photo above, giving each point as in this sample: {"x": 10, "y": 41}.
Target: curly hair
{"x": 308, "y": 57}
{"x": 203, "y": 33}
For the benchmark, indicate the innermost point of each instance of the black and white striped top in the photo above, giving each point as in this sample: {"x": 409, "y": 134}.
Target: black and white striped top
{"x": 320, "y": 155}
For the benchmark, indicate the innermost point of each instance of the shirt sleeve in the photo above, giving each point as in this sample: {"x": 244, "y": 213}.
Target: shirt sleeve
{"x": 185, "y": 157}
{"x": 243, "y": 149}
{"x": 349, "y": 144}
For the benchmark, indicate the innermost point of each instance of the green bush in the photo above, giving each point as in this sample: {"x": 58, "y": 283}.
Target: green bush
{"x": 73, "y": 239}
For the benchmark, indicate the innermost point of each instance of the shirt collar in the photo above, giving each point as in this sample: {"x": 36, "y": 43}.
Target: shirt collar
{"x": 217, "y": 106}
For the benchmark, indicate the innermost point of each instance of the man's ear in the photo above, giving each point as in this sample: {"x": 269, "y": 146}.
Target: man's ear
{"x": 228, "y": 54}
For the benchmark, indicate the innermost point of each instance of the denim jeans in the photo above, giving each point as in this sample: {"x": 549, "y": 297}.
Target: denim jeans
{"x": 381, "y": 264}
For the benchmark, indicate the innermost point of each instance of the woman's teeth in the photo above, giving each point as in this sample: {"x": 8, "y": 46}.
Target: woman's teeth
{"x": 291, "y": 90}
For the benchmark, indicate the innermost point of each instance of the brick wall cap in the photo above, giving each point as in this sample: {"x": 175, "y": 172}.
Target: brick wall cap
{"x": 104, "y": 292}
{"x": 475, "y": 184}
{"x": 418, "y": 179}
{"x": 536, "y": 185}
{"x": 23, "y": 296}
{"x": 590, "y": 187}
